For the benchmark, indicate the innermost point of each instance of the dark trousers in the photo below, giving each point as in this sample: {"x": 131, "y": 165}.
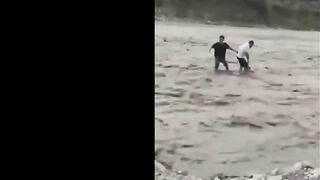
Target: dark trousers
{"x": 221, "y": 60}
{"x": 243, "y": 64}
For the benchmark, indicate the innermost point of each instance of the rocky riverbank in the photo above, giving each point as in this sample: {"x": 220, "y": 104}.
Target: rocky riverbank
{"x": 299, "y": 171}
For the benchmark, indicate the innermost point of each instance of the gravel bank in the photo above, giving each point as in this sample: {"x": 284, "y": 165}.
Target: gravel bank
{"x": 299, "y": 171}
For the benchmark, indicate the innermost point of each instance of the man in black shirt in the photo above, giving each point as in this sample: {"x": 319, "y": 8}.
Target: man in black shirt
{"x": 220, "y": 52}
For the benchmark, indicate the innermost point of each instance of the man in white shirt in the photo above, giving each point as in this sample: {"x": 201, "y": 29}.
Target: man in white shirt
{"x": 243, "y": 55}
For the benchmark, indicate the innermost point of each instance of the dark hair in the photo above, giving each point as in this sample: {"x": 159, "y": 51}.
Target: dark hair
{"x": 222, "y": 36}
{"x": 251, "y": 42}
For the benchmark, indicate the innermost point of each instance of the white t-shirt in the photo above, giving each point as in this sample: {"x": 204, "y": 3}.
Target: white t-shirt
{"x": 242, "y": 50}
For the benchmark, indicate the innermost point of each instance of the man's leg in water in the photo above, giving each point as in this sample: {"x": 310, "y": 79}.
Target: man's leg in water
{"x": 243, "y": 64}
{"x": 224, "y": 62}
{"x": 217, "y": 63}
{"x": 246, "y": 67}
{"x": 240, "y": 68}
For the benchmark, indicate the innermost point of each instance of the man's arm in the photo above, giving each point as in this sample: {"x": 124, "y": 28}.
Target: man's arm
{"x": 247, "y": 55}
{"x": 232, "y": 49}
{"x": 212, "y": 47}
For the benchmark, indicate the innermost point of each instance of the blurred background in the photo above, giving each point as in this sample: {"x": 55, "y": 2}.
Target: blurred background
{"x": 290, "y": 14}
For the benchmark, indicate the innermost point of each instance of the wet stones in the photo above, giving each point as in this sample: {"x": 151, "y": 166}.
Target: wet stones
{"x": 297, "y": 172}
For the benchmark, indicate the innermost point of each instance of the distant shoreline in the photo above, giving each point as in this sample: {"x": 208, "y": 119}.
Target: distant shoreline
{"x": 288, "y": 14}
{"x": 193, "y": 22}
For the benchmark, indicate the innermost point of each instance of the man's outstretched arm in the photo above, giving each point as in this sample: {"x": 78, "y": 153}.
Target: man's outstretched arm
{"x": 232, "y": 49}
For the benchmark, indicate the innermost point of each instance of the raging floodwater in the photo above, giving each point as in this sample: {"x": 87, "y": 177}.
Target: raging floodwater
{"x": 209, "y": 123}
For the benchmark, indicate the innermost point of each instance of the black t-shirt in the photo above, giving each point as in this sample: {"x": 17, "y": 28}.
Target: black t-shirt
{"x": 220, "y": 49}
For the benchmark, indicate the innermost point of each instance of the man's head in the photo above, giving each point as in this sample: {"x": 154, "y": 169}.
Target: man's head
{"x": 251, "y": 43}
{"x": 221, "y": 38}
